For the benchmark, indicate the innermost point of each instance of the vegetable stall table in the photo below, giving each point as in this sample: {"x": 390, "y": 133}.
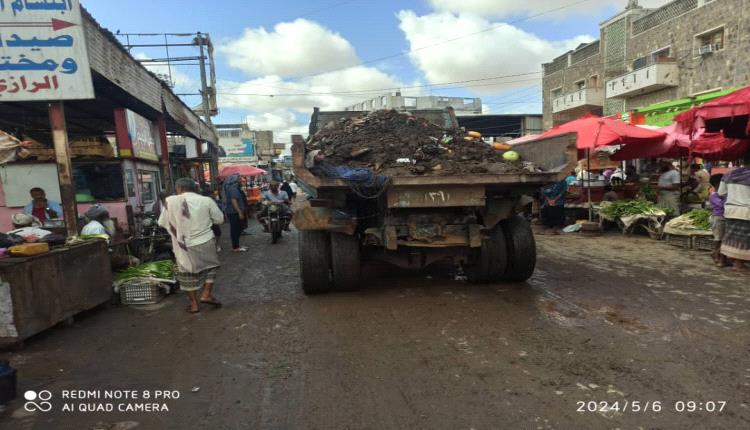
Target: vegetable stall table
{"x": 40, "y": 291}
{"x": 630, "y": 214}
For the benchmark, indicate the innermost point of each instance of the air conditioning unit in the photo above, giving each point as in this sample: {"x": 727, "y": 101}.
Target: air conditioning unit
{"x": 706, "y": 49}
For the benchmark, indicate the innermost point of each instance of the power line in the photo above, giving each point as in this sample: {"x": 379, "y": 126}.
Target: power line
{"x": 358, "y": 95}
{"x": 380, "y": 90}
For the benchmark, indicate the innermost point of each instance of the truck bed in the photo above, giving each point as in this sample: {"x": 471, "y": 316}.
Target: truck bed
{"x": 556, "y": 155}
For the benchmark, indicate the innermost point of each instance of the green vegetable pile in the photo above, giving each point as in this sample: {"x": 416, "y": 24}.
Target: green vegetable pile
{"x": 156, "y": 269}
{"x": 632, "y": 207}
{"x": 700, "y": 218}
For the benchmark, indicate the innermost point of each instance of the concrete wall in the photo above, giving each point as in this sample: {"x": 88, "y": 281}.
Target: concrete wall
{"x": 387, "y": 101}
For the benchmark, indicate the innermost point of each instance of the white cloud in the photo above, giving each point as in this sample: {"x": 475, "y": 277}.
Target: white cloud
{"x": 293, "y": 100}
{"x": 295, "y": 48}
{"x": 329, "y": 91}
{"x": 550, "y": 8}
{"x": 504, "y": 50}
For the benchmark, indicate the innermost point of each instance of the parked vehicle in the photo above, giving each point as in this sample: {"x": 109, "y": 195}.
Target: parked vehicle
{"x": 151, "y": 241}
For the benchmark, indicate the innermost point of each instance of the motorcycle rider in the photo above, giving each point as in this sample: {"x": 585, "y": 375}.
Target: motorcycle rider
{"x": 275, "y": 195}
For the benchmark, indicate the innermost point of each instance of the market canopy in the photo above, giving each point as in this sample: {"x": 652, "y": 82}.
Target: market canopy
{"x": 674, "y": 145}
{"x": 240, "y": 169}
{"x": 728, "y": 114}
{"x": 594, "y": 132}
{"x": 662, "y": 114}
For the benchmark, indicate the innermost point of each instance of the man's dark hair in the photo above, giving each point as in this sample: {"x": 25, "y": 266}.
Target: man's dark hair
{"x": 695, "y": 166}
{"x": 36, "y": 189}
{"x": 186, "y": 184}
{"x": 715, "y": 180}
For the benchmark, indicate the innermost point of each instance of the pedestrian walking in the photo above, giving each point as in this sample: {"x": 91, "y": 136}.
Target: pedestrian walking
{"x": 215, "y": 228}
{"x": 735, "y": 186}
{"x": 234, "y": 207}
{"x": 287, "y": 187}
{"x": 188, "y": 216}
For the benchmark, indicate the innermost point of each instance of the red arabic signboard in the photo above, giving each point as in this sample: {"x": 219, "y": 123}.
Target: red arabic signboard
{"x": 43, "y": 53}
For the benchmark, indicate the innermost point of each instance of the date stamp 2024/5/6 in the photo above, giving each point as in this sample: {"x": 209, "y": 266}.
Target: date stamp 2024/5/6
{"x": 654, "y": 406}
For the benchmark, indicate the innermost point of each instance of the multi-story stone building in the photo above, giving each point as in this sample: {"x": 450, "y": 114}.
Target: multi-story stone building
{"x": 681, "y": 51}
{"x": 397, "y": 101}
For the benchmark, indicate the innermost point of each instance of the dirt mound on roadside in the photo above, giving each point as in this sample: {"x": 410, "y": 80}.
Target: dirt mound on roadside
{"x": 394, "y": 143}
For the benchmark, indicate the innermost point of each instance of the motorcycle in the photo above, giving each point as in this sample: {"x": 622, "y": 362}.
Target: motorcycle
{"x": 275, "y": 221}
{"x": 152, "y": 241}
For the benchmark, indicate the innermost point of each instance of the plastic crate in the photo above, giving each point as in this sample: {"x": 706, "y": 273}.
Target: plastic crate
{"x": 141, "y": 291}
{"x": 704, "y": 243}
{"x": 679, "y": 241}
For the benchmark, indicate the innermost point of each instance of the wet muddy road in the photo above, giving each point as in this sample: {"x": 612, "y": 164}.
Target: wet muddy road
{"x": 616, "y": 321}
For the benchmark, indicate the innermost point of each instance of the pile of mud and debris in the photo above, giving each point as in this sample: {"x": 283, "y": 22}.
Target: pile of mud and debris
{"x": 393, "y": 143}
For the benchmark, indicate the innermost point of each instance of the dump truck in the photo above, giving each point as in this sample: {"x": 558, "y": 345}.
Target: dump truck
{"x": 472, "y": 220}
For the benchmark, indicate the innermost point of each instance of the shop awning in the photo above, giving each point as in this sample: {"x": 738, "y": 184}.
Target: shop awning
{"x": 662, "y": 114}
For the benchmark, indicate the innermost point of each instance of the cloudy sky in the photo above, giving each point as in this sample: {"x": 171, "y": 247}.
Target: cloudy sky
{"x": 276, "y": 60}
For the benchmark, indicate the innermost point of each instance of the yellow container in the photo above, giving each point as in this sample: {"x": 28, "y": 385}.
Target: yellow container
{"x": 502, "y": 146}
{"x": 474, "y": 134}
{"x": 28, "y": 249}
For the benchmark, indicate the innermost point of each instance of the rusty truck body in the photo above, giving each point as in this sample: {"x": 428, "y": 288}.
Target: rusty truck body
{"x": 417, "y": 220}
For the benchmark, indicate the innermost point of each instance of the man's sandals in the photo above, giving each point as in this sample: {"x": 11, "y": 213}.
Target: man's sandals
{"x": 211, "y": 301}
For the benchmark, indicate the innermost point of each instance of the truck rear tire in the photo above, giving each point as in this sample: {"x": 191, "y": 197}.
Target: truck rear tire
{"x": 315, "y": 261}
{"x": 345, "y": 262}
{"x": 488, "y": 263}
{"x": 521, "y": 249}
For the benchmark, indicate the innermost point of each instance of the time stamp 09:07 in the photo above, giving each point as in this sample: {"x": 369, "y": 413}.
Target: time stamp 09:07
{"x": 656, "y": 406}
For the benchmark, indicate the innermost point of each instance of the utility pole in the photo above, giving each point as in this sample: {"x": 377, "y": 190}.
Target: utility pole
{"x": 213, "y": 164}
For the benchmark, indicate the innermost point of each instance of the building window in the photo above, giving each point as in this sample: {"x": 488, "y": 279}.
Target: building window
{"x": 557, "y": 92}
{"x": 410, "y": 101}
{"x": 594, "y": 81}
{"x": 99, "y": 181}
{"x": 148, "y": 186}
{"x": 662, "y": 55}
{"x": 579, "y": 85}
{"x": 710, "y": 41}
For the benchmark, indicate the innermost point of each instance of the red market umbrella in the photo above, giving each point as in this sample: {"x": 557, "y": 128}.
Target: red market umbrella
{"x": 594, "y": 131}
{"x": 728, "y": 113}
{"x": 674, "y": 145}
{"x": 240, "y": 169}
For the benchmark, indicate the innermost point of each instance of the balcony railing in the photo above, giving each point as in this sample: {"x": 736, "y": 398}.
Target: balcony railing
{"x": 582, "y": 97}
{"x": 648, "y": 79}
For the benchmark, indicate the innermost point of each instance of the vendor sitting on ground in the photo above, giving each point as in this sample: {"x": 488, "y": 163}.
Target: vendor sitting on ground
{"x": 27, "y": 226}
{"x": 610, "y": 195}
{"x": 275, "y": 195}
{"x": 41, "y": 207}
{"x": 99, "y": 222}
